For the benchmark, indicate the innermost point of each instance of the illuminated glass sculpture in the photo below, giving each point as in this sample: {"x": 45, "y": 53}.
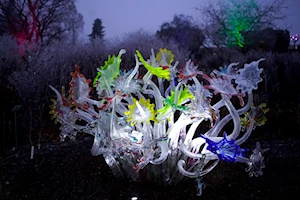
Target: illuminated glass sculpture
{"x": 148, "y": 124}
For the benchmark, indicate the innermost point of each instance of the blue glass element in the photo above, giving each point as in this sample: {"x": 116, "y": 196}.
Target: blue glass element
{"x": 201, "y": 185}
{"x": 225, "y": 149}
{"x": 223, "y": 70}
{"x": 175, "y": 82}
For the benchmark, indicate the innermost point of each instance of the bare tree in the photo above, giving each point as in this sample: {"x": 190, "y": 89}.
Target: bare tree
{"x": 228, "y": 21}
{"x": 183, "y": 31}
{"x": 42, "y": 21}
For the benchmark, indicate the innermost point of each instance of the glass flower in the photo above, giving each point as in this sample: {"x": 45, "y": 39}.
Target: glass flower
{"x": 222, "y": 85}
{"x": 206, "y": 95}
{"x": 249, "y": 77}
{"x": 140, "y": 111}
{"x": 160, "y": 72}
{"x": 188, "y": 71}
{"x": 79, "y": 88}
{"x": 164, "y": 57}
{"x": 200, "y": 106}
{"x": 258, "y": 114}
{"x": 60, "y": 105}
{"x": 225, "y": 149}
{"x": 256, "y": 163}
{"x": 108, "y": 72}
{"x": 227, "y": 71}
{"x": 175, "y": 101}
{"x": 121, "y": 84}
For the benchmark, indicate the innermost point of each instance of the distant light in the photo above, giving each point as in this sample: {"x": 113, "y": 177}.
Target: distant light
{"x": 134, "y": 198}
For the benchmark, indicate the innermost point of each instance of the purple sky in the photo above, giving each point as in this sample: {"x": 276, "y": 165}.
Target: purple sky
{"x": 123, "y": 16}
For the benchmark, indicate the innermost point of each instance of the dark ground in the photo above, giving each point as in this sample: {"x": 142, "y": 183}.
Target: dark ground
{"x": 68, "y": 171}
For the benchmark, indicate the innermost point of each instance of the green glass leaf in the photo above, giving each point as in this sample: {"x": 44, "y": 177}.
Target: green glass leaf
{"x": 157, "y": 71}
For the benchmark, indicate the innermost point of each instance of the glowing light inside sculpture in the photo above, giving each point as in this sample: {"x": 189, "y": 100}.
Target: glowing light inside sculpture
{"x": 140, "y": 111}
{"x": 137, "y": 124}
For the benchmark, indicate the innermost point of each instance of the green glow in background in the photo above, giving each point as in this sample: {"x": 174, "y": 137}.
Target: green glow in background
{"x": 241, "y": 16}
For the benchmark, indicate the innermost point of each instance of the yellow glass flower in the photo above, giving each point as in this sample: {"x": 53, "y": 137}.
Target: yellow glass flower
{"x": 169, "y": 56}
{"x": 259, "y": 116}
{"x": 140, "y": 111}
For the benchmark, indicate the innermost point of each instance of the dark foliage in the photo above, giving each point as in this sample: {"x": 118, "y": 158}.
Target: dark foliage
{"x": 98, "y": 31}
{"x": 268, "y": 40}
{"x": 182, "y": 30}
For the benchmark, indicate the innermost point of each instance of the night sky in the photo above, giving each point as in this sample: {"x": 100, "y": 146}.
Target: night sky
{"x": 121, "y": 17}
